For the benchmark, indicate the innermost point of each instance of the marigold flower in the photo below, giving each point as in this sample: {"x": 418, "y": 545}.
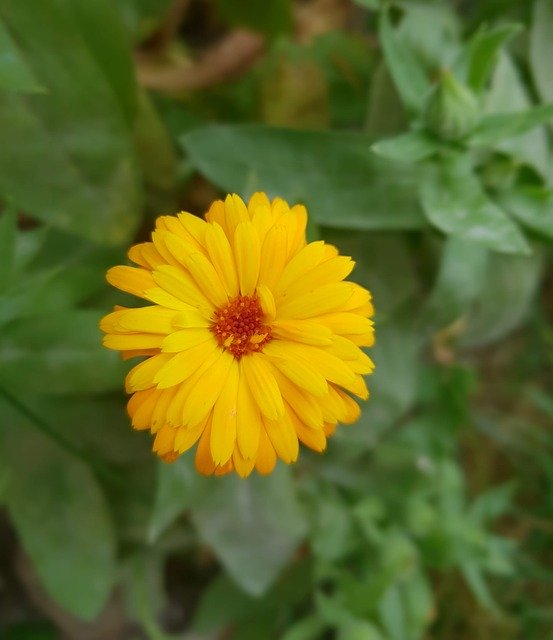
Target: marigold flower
{"x": 251, "y": 336}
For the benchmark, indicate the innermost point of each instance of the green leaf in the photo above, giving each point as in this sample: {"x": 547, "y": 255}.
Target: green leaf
{"x": 508, "y": 290}
{"x": 253, "y": 526}
{"x": 58, "y": 354}
{"x": 455, "y": 203}
{"x": 61, "y": 517}
{"x": 407, "y": 147}
{"x": 309, "y": 628}
{"x": 15, "y": 74}
{"x": 479, "y": 57}
{"x": 335, "y": 174}
{"x": 541, "y": 47}
{"x": 497, "y": 127}
{"x": 408, "y": 76}
{"x": 8, "y": 239}
{"x": 359, "y": 630}
{"x": 532, "y": 205}
{"x": 74, "y": 141}
{"x": 271, "y": 17}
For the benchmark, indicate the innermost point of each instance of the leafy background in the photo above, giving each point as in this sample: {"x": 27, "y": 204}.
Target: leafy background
{"x": 419, "y": 135}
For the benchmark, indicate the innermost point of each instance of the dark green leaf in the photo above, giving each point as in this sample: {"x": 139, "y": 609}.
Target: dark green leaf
{"x": 532, "y": 206}
{"x": 408, "y": 147}
{"x": 271, "y": 17}
{"x": 408, "y": 76}
{"x": 336, "y": 175}
{"x": 253, "y": 526}
{"x": 541, "y": 47}
{"x": 8, "y": 239}
{"x": 73, "y": 144}
{"x": 479, "y": 57}
{"x": 58, "y": 354}
{"x": 15, "y": 74}
{"x": 61, "y": 517}
{"x": 497, "y": 127}
{"x": 455, "y": 203}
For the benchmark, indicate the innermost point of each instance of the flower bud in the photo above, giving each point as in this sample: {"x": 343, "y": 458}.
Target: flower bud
{"x": 452, "y": 110}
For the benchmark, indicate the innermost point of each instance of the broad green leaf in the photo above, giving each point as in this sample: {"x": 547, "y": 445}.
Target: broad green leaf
{"x": 359, "y": 630}
{"x": 8, "y": 239}
{"x": 335, "y": 174}
{"x": 386, "y": 115}
{"x": 508, "y": 290}
{"x": 455, "y": 203}
{"x": 15, "y": 74}
{"x": 541, "y": 47}
{"x": 509, "y": 93}
{"x": 408, "y": 76}
{"x": 58, "y": 354}
{"x": 407, "y": 147}
{"x": 252, "y": 526}
{"x": 532, "y": 206}
{"x": 459, "y": 281}
{"x": 271, "y": 17}
{"x": 477, "y": 60}
{"x": 73, "y": 144}
{"x": 500, "y": 126}
{"x": 142, "y": 17}
{"x": 61, "y": 517}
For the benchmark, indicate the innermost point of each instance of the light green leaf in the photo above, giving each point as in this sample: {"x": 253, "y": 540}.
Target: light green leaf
{"x": 73, "y": 144}
{"x": 477, "y": 60}
{"x": 500, "y": 126}
{"x": 532, "y": 206}
{"x": 61, "y": 517}
{"x": 509, "y": 286}
{"x": 477, "y": 583}
{"x": 15, "y": 74}
{"x": 335, "y": 174}
{"x": 541, "y": 47}
{"x": 407, "y": 147}
{"x": 359, "y": 630}
{"x": 310, "y": 628}
{"x": 253, "y": 526}
{"x": 455, "y": 203}
{"x": 58, "y": 354}
{"x": 408, "y": 76}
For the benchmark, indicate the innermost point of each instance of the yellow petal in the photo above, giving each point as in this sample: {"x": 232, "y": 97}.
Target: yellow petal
{"x": 263, "y": 386}
{"x": 324, "y": 299}
{"x": 297, "y": 239}
{"x": 206, "y": 278}
{"x": 266, "y": 456}
{"x": 143, "y": 408}
{"x": 130, "y": 279}
{"x": 142, "y": 375}
{"x": 299, "y": 370}
{"x": 273, "y": 255}
{"x": 310, "y": 256}
{"x": 248, "y": 418}
{"x": 267, "y": 302}
{"x": 305, "y": 331}
{"x": 194, "y": 226}
{"x": 133, "y": 341}
{"x": 164, "y": 441}
{"x": 159, "y": 414}
{"x": 204, "y": 461}
{"x": 346, "y": 323}
{"x": 164, "y": 299}
{"x": 283, "y": 437}
{"x": 144, "y": 319}
{"x": 182, "y": 286}
{"x": 313, "y": 438}
{"x": 247, "y": 254}
{"x": 223, "y": 429}
{"x": 353, "y": 410}
{"x": 243, "y": 466}
{"x": 304, "y": 404}
{"x": 183, "y": 364}
{"x": 186, "y": 339}
{"x": 186, "y": 438}
{"x": 334, "y": 270}
{"x": 220, "y": 254}
{"x": 235, "y": 213}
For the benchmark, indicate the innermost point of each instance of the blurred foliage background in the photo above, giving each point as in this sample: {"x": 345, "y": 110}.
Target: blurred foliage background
{"x": 418, "y": 133}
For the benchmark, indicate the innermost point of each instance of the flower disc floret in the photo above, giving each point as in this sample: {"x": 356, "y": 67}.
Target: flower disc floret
{"x": 251, "y": 339}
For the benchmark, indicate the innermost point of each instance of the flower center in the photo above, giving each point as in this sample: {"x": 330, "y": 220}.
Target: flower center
{"x": 239, "y": 326}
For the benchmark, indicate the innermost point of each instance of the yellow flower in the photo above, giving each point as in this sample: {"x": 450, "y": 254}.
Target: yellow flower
{"x": 251, "y": 337}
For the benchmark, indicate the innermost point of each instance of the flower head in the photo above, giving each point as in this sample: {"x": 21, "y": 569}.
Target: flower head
{"x": 250, "y": 339}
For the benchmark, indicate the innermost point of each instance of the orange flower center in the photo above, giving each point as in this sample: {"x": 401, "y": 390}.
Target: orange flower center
{"x": 240, "y": 327}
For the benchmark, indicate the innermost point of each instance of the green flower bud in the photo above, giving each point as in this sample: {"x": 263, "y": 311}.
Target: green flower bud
{"x": 452, "y": 110}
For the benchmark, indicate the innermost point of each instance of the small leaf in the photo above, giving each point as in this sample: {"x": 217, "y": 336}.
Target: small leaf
{"x": 501, "y": 126}
{"x": 61, "y": 517}
{"x": 407, "y": 147}
{"x": 455, "y": 203}
{"x": 408, "y": 76}
{"x": 15, "y": 74}
{"x": 344, "y": 183}
{"x": 479, "y": 57}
